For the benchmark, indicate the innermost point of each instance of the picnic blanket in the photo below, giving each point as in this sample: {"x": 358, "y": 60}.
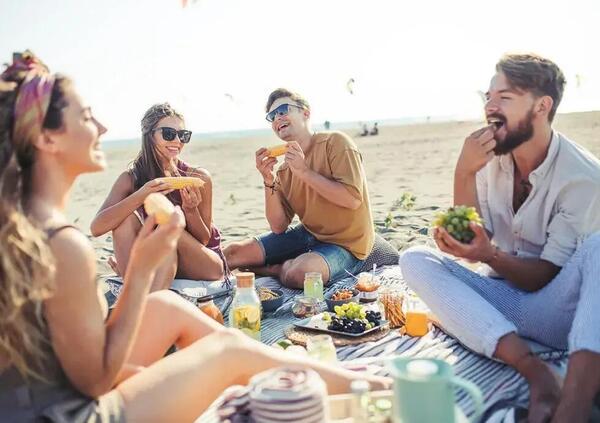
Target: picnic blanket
{"x": 502, "y": 387}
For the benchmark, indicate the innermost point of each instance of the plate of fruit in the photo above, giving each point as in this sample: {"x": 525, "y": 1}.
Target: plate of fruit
{"x": 350, "y": 319}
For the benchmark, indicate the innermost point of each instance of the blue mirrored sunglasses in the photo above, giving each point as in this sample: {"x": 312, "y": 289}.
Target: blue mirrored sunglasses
{"x": 280, "y": 110}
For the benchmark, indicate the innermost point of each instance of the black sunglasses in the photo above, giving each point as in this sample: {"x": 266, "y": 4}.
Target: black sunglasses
{"x": 281, "y": 110}
{"x": 169, "y": 134}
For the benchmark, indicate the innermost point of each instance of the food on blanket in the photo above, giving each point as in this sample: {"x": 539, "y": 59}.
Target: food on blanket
{"x": 211, "y": 310}
{"x": 416, "y": 323}
{"x": 159, "y": 206}
{"x": 247, "y": 319}
{"x": 350, "y": 310}
{"x": 265, "y": 294}
{"x": 456, "y": 221}
{"x": 284, "y": 343}
{"x": 368, "y": 284}
{"x": 305, "y": 307}
{"x": 179, "y": 182}
{"x": 278, "y": 150}
{"x": 392, "y": 299}
{"x": 353, "y": 318}
{"x": 342, "y": 294}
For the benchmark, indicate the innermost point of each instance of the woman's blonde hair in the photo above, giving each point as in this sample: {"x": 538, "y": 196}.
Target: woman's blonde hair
{"x": 26, "y": 262}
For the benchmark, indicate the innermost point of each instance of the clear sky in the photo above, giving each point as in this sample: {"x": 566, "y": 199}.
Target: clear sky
{"x": 217, "y": 60}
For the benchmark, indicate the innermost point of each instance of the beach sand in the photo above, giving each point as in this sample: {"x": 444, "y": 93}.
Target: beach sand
{"x": 415, "y": 159}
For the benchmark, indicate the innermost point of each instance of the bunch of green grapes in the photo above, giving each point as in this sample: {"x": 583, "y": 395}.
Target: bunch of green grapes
{"x": 456, "y": 221}
{"x": 351, "y": 311}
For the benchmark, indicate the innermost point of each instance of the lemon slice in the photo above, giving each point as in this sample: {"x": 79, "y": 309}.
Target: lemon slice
{"x": 250, "y": 313}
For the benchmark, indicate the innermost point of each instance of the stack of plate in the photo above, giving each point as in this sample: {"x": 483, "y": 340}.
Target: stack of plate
{"x": 288, "y": 395}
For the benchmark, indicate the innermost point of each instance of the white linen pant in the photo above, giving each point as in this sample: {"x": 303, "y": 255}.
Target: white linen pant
{"x": 479, "y": 310}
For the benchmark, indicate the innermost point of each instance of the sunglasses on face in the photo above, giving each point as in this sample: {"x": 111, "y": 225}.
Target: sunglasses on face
{"x": 169, "y": 134}
{"x": 281, "y": 110}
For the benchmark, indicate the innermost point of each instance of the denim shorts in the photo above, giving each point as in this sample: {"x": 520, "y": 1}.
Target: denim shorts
{"x": 296, "y": 240}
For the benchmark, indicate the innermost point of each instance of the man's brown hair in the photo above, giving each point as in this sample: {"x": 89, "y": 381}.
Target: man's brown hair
{"x": 284, "y": 92}
{"x": 536, "y": 74}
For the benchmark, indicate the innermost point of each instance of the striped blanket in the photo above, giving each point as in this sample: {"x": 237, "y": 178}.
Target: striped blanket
{"x": 501, "y": 386}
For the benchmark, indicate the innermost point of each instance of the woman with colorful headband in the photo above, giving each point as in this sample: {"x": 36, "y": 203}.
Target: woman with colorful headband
{"x": 61, "y": 358}
{"x": 198, "y": 254}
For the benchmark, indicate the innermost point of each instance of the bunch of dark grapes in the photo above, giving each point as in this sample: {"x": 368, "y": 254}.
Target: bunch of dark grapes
{"x": 344, "y": 324}
{"x": 373, "y": 317}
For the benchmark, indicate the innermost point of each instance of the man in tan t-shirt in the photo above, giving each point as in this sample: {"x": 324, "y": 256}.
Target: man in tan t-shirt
{"x": 322, "y": 181}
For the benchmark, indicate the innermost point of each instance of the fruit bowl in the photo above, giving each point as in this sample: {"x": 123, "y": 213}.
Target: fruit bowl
{"x": 331, "y": 303}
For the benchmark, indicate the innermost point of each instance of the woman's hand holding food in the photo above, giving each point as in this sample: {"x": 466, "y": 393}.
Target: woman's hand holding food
{"x": 153, "y": 186}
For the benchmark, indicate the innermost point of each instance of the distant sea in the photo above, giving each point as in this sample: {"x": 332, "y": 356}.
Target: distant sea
{"x": 228, "y": 135}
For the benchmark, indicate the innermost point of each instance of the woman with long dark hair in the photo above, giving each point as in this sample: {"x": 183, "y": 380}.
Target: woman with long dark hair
{"x": 62, "y": 358}
{"x": 198, "y": 254}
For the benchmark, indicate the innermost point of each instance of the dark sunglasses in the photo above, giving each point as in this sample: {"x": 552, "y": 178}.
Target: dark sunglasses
{"x": 281, "y": 110}
{"x": 169, "y": 134}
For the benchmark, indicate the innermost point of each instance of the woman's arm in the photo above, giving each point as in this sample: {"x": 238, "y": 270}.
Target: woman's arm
{"x": 91, "y": 352}
{"x": 199, "y": 216}
{"x": 121, "y": 202}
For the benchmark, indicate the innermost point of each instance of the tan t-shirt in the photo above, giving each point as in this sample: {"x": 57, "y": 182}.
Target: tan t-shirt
{"x": 335, "y": 156}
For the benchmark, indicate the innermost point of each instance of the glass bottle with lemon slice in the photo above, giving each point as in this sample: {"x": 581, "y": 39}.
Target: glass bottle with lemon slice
{"x": 244, "y": 313}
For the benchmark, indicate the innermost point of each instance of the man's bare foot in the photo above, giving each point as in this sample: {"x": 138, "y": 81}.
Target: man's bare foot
{"x": 112, "y": 262}
{"x": 544, "y": 389}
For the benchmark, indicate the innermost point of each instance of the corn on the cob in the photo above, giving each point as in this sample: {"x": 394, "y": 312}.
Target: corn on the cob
{"x": 278, "y": 150}
{"x": 179, "y": 182}
{"x": 158, "y": 205}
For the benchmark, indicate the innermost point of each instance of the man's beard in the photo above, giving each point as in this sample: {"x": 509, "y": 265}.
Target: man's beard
{"x": 516, "y": 137}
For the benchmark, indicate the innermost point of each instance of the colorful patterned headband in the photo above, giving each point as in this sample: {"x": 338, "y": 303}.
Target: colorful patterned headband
{"x": 33, "y": 98}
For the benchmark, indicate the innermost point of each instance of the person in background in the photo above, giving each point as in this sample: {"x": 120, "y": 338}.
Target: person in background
{"x": 323, "y": 182}
{"x": 198, "y": 254}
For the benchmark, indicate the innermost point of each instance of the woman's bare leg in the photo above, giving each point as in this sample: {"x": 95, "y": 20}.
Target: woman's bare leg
{"x": 168, "y": 320}
{"x": 197, "y": 262}
{"x": 197, "y": 375}
{"x": 124, "y": 236}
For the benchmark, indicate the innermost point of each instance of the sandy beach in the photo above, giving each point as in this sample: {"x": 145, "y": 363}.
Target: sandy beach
{"x": 414, "y": 159}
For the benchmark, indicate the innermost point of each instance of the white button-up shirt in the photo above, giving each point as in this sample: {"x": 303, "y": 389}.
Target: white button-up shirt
{"x": 562, "y": 209}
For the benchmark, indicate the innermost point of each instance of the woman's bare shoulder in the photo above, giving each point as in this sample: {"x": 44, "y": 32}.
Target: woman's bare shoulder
{"x": 72, "y": 250}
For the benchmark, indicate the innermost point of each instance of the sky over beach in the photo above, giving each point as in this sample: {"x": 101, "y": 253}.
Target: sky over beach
{"x": 217, "y": 60}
